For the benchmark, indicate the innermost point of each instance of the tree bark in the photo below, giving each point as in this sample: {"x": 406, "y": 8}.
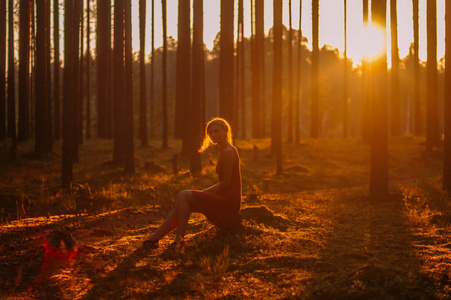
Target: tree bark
{"x": 226, "y": 69}
{"x": 277, "y": 86}
{"x": 128, "y": 139}
{"x": 142, "y": 74}
{"x": 416, "y": 88}
{"x": 378, "y": 108}
{"x": 2, "y": 69}
{"x": 432, "y": 115}
{"x": 56, "y": 73}
{"x": 447, "y": 142}
{"x": 119, "y": 89}
{"x": 315, "y": 128}
{"x": 197, "y": 87}
{"x": 68, "y": 84}
{"x": 23, "y": 132}
{"x": 165, "y": 76}
{"x": 395, "y": 104}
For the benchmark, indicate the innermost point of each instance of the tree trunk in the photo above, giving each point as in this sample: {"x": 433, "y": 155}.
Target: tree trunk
{"x": 315, "y": 128}
{"x": 241, "y": 62}
{"x": 23, "y": 132}
{"x": 183, "y": 82}
{"x": 416, "y": 88}
{"x": 256, "y": 71}
{"x": 88, "y": 70}
{"x": 81, "y": 68}
{"x": 68, "y": 84}
{"x": 11, "y": 125}
{"x": 297, "y": 129}
{"x": 226, "y": 69}
{"x": 197, "y": 88}
{"x": 152, "y": 75}
{"x": 142, "y": 74}
{"x": 41, "y": 80}
{"x": 2, "y": 69}
{"x": 49, "y": 100}
{"x": 447, "y": 142}
{"x": 119, "y": 90}
{"x": 76, "y": 89}
{"x": 290, "y": 77}
{"x": 395, "y": 105}
{"x": 277, "y": 87}
{"x": 379, "y": 118}
{"x": 165, "y": 76}
{"x": 345, "y": 76}
{"x": 56, "y": 73}
{"x": 365, "y": 124}
{"x": 103, "y": 65}
{"x": 128, "y": 139}
{"x": 432, "y": 121}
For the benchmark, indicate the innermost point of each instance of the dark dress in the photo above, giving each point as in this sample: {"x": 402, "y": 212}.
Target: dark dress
{"x": 221, "y": 209}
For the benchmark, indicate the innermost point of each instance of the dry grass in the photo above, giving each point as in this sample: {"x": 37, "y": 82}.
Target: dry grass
{"x": 309, "y": 234}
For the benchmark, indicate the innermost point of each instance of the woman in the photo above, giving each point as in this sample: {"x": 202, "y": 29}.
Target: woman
{"x": 221, "y": 202}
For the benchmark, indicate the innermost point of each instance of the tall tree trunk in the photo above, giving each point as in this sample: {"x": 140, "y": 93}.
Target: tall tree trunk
{"x": 416, "y": 88}
{"x": 11, "y": 124}
{"x": 49, "y": 100}
{"x": 345, "y": 75}
{"x": 277, "y": 86}
{"x": 56, "y": 73}
{"x": 226, "y": 69}
{"x": 290, "y": 77}
{"x": 432, "y": 121}
{"x": 76, "y": 90}
{"x": 297, "y": 129}
{"x": 395, "y": 105}
{"x": 447, "y": 142}
{"x": 315, "y": 128}
{"x": 88, "y": 70}
{"x": 378, "y": 108}
{"x": 103, "y": 49}
{"x": 119, "y": 89}
{"x": 197, "y": 88}
{"x": 128, "y": 139}
{"x": 142, "y": 74}
{"x": 81, "y": 68}
{"x": 2, "y": 69}
{"x": 256, "y": 71}
{"x": 241, "y": 62}
{"x": 41, "y": 80}
{"x": 165, "y": 75}
{"x": 23, "y": 132}
{"x": 152, "y": 75}
{"x": 365, "y": 124}
{"x": 183, "y": 82}
{"x": 68, "y": 84}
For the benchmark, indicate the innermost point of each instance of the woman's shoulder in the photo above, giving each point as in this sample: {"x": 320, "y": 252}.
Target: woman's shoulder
{"x": 230, "y": 150}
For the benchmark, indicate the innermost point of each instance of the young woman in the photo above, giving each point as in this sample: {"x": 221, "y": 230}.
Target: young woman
{"x": 221, "y": 202}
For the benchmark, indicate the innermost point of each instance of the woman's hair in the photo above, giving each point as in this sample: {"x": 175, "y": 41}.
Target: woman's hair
{"x": 221, "y": 123}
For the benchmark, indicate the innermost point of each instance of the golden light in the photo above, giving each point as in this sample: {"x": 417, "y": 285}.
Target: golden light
{"x": 372, "y": 42}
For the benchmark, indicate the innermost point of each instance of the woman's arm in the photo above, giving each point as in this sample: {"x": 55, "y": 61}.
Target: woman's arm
{"x": 211, "y": 189}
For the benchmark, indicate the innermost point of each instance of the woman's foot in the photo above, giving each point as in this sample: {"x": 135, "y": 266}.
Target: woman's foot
{"x": 149, "y": 244}
{"x": 177, "y": 245}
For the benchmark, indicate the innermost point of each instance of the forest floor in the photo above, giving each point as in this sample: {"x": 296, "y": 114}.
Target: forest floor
{"x": 311, "y": 233}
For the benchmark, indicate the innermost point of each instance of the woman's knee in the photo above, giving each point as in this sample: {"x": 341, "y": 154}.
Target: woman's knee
{"x": 184, "y": 195}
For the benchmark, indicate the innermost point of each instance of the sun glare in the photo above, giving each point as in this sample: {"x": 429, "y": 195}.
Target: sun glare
{"x": 373, "y": 42}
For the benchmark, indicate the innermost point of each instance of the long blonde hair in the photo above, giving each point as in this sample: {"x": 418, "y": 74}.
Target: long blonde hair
{"x": 221, "y": 123}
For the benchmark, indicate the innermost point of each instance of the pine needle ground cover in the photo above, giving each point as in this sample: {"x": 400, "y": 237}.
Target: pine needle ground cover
{"x": 311, "y": 233}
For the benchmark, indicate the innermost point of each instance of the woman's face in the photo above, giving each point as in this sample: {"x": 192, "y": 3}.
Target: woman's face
{"x": 217, "y": 134}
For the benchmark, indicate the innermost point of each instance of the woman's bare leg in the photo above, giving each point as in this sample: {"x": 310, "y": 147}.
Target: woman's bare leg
{"x": 183, "y": 212}
{"x": 168, "y": 225}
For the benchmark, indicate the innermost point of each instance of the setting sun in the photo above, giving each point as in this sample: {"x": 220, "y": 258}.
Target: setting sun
{"x": 372, "y": 42}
